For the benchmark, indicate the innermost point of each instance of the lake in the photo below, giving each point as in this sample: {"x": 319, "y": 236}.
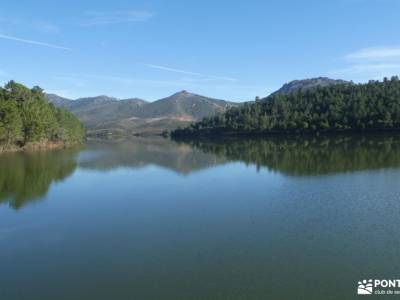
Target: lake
{"x": 148, "y": 218}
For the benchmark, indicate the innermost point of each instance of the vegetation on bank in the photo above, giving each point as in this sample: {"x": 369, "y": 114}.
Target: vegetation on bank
{"x": 27, "y": 119}
{"x": 335, "y": 108}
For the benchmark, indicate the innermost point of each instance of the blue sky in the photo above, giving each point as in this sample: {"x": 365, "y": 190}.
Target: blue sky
{"x": 232, "y": 50}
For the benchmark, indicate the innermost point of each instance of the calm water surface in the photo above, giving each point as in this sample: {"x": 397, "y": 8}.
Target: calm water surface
{"x": 234, "y": 219}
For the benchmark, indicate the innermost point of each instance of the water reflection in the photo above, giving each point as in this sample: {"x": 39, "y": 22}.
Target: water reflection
{"x": 104, "y": 155}
{"x": 302, "y": 156}
{"x": 227, "y": 232}
{"x": 26, "y": 177}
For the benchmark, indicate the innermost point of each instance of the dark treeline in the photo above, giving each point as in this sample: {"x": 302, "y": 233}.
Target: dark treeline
{"x": 27, "y": 118}
{"x": 301, "y": 156}
{"x": 343, "y": 107}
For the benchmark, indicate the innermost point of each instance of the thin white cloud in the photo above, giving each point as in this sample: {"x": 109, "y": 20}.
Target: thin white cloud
{"x": 45, "y": 27}
{"x": 369, "y": 69}
{"x": 208, "y": 77}
{"x": 375, "y": 54}
{"x": 370, "y": 63}
{"x": 79, "y": 80}
{"x": 37, "y": 25}
{"x": 240, "y": 92}
{"x": 95, "y": 18}
{"x": 364, "y": 73}
{"x": 13, "y": 38}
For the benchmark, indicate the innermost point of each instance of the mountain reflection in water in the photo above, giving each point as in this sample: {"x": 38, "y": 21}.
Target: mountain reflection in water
{"x": 25, "y": 177}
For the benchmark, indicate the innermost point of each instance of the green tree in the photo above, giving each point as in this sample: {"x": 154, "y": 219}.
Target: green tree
{"x": 27, "y": 117}
{"x": 10, "y": 122}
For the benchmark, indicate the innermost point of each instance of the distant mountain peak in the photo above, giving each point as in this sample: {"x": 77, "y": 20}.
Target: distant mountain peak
{"x": 307, "y": 84}
{"x": 134, "y": 101}
{"x": 183, "y": 93}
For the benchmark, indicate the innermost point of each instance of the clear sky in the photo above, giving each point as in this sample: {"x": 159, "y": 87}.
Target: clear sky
{"x": 232, "y": 50}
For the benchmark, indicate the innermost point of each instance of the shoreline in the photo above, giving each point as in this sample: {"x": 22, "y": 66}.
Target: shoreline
{"x": 37, "y": 146}
{"x": 215, "y": 134}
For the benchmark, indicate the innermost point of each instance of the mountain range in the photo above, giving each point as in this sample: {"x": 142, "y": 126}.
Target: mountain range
{"x": 103, "y": 115}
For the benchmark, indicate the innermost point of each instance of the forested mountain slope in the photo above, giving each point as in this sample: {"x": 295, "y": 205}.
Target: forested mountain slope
{"x": 340, "y": 107}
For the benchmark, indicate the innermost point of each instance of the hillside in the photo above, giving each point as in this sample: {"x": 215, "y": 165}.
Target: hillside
{"x": 103, "y": 115}
{"x": 307, "y": 84}
{"x": 59, "y": 101}
{"x": 184, "y": 105}
{"x": 334, "y": 108}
